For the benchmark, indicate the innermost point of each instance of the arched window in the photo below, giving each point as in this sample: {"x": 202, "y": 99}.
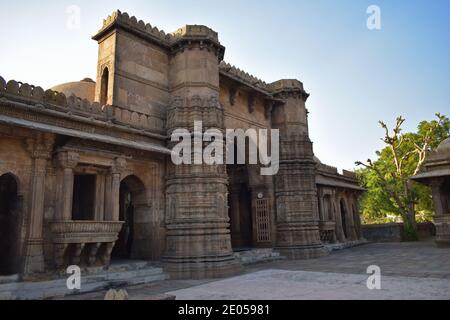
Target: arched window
{"x": 104, "y": 87}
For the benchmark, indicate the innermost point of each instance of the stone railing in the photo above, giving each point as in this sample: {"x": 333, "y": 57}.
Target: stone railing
{"x": 87, "y": 242}
{"x": 56, "y": 101}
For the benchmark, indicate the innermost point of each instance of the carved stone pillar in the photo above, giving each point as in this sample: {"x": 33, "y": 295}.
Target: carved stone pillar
{"x": 67, "y": 161}
{"x": 112, "y": 209}
{"x": 350, "y": 220}
{"x": 198, "y": 243}
{"x": 298, "y": 233}
{"x": 437, "y": 197}
{"x": 40, "y": 148}
{"x": 442, "y": 218}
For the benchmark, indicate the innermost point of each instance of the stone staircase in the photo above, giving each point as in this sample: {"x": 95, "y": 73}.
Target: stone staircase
{"x": 120, "y": 274}
{"x": 252, "y": 256}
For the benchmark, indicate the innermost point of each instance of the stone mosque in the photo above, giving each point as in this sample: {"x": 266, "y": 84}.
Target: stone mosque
{"x": 86, "y": 176}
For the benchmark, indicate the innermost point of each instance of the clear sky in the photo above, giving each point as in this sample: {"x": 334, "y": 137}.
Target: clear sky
{"x": 355, "y": 76}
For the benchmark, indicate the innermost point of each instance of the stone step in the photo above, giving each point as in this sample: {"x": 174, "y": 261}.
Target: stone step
{"x": 349, "y": 244}
{"x": 9, "y": 279}
{"x": 89, "y": 283}
{"x": 257, "y": 256}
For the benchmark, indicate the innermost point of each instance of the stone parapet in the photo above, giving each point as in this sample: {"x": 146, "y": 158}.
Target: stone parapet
{"x": 53, "y": 101}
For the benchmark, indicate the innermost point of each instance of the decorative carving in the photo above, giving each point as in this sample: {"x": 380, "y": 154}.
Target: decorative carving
{"x": 68, "y": 159}
{"x": 268, "y": 108}
{"x": 233, "y": 94}
{"x": 41, "y": 145}
{"x": 251, "y": 103}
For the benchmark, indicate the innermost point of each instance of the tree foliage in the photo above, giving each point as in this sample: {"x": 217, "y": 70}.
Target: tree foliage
{"x": 391, "y": 195}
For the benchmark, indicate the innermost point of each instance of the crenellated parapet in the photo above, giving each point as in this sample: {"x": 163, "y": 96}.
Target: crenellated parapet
{"x": 183, "y": 38}
{"x": 243, "y": 76}
{"x": 52, "y": 101}
{"x": 123, "y": 20}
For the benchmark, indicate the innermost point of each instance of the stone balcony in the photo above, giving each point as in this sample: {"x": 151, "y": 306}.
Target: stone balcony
{"x": 84, "y": 242}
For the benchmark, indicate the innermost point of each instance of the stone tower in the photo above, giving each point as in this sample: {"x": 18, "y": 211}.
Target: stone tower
{"x": 198, "y": 238}
{"x": 295, "y": 186}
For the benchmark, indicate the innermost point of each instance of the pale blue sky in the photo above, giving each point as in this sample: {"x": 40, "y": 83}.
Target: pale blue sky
{"x": 355, "y": 76}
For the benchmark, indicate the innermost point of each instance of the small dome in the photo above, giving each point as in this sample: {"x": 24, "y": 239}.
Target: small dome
{"x": 444, "y": 146}
{"x": 317, "y": 160}
{"x": 84, "y": 89}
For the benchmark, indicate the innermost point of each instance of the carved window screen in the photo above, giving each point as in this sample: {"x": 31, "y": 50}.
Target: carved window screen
{"x": 263, "y": 227}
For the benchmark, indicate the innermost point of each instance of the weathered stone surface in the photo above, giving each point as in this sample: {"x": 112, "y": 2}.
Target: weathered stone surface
{"x": 76, "y": 168}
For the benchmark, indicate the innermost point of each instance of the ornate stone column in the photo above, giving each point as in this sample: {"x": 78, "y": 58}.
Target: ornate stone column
{"x": 67, "y": 161}
{"x": 295, "y": 186}
{"x": 40, "y": 148}
{"x": 198, "y": 243}
{"x": 350, "y": 220}
{"x": 442, "y": 218}
{"x": 112, "y": 193}
{"x": 436, "y": 185}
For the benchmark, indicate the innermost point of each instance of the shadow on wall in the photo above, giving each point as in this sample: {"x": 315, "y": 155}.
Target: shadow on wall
{"x": 394, "y": 232}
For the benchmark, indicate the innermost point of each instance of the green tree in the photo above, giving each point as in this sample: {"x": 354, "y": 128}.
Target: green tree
{"x": 390, "y": 192}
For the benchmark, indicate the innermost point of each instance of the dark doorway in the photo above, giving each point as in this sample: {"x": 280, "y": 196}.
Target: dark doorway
{"x": 124, "y": 245}
{"x": 344, "y": 218}
{"x": 83, "y": 206}
{"x": 240, "y": 208}
{"x": 8, "y": 225}
{"x": 131, "y": 198}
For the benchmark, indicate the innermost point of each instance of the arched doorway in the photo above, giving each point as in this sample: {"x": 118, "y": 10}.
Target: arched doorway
{"x": 344, "y": 218}
{"x": 104, "y": 87}
{"x": 132, "y": 194}
{"x": 8, "y": 224}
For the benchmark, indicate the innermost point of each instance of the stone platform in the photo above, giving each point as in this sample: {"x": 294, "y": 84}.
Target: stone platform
{"x": 119, "y": 275}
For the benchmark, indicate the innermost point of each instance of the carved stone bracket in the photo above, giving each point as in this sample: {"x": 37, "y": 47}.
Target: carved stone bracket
{"x": 68, "y": 159}
{"x": 233, "y": 94}
{"x": 251, "y": 103}
{"x": 41, "y": 145}
{"x": 268, "y": 108}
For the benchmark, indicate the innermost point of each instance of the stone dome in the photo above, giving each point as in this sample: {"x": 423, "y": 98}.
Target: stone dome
{"x": 84, "y": 89}
{"x": 317, "y": 160}
{"x": 444, "y": 146}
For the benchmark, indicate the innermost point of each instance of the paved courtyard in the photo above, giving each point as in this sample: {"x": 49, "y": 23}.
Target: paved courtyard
{"x": 408, "y": 271}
